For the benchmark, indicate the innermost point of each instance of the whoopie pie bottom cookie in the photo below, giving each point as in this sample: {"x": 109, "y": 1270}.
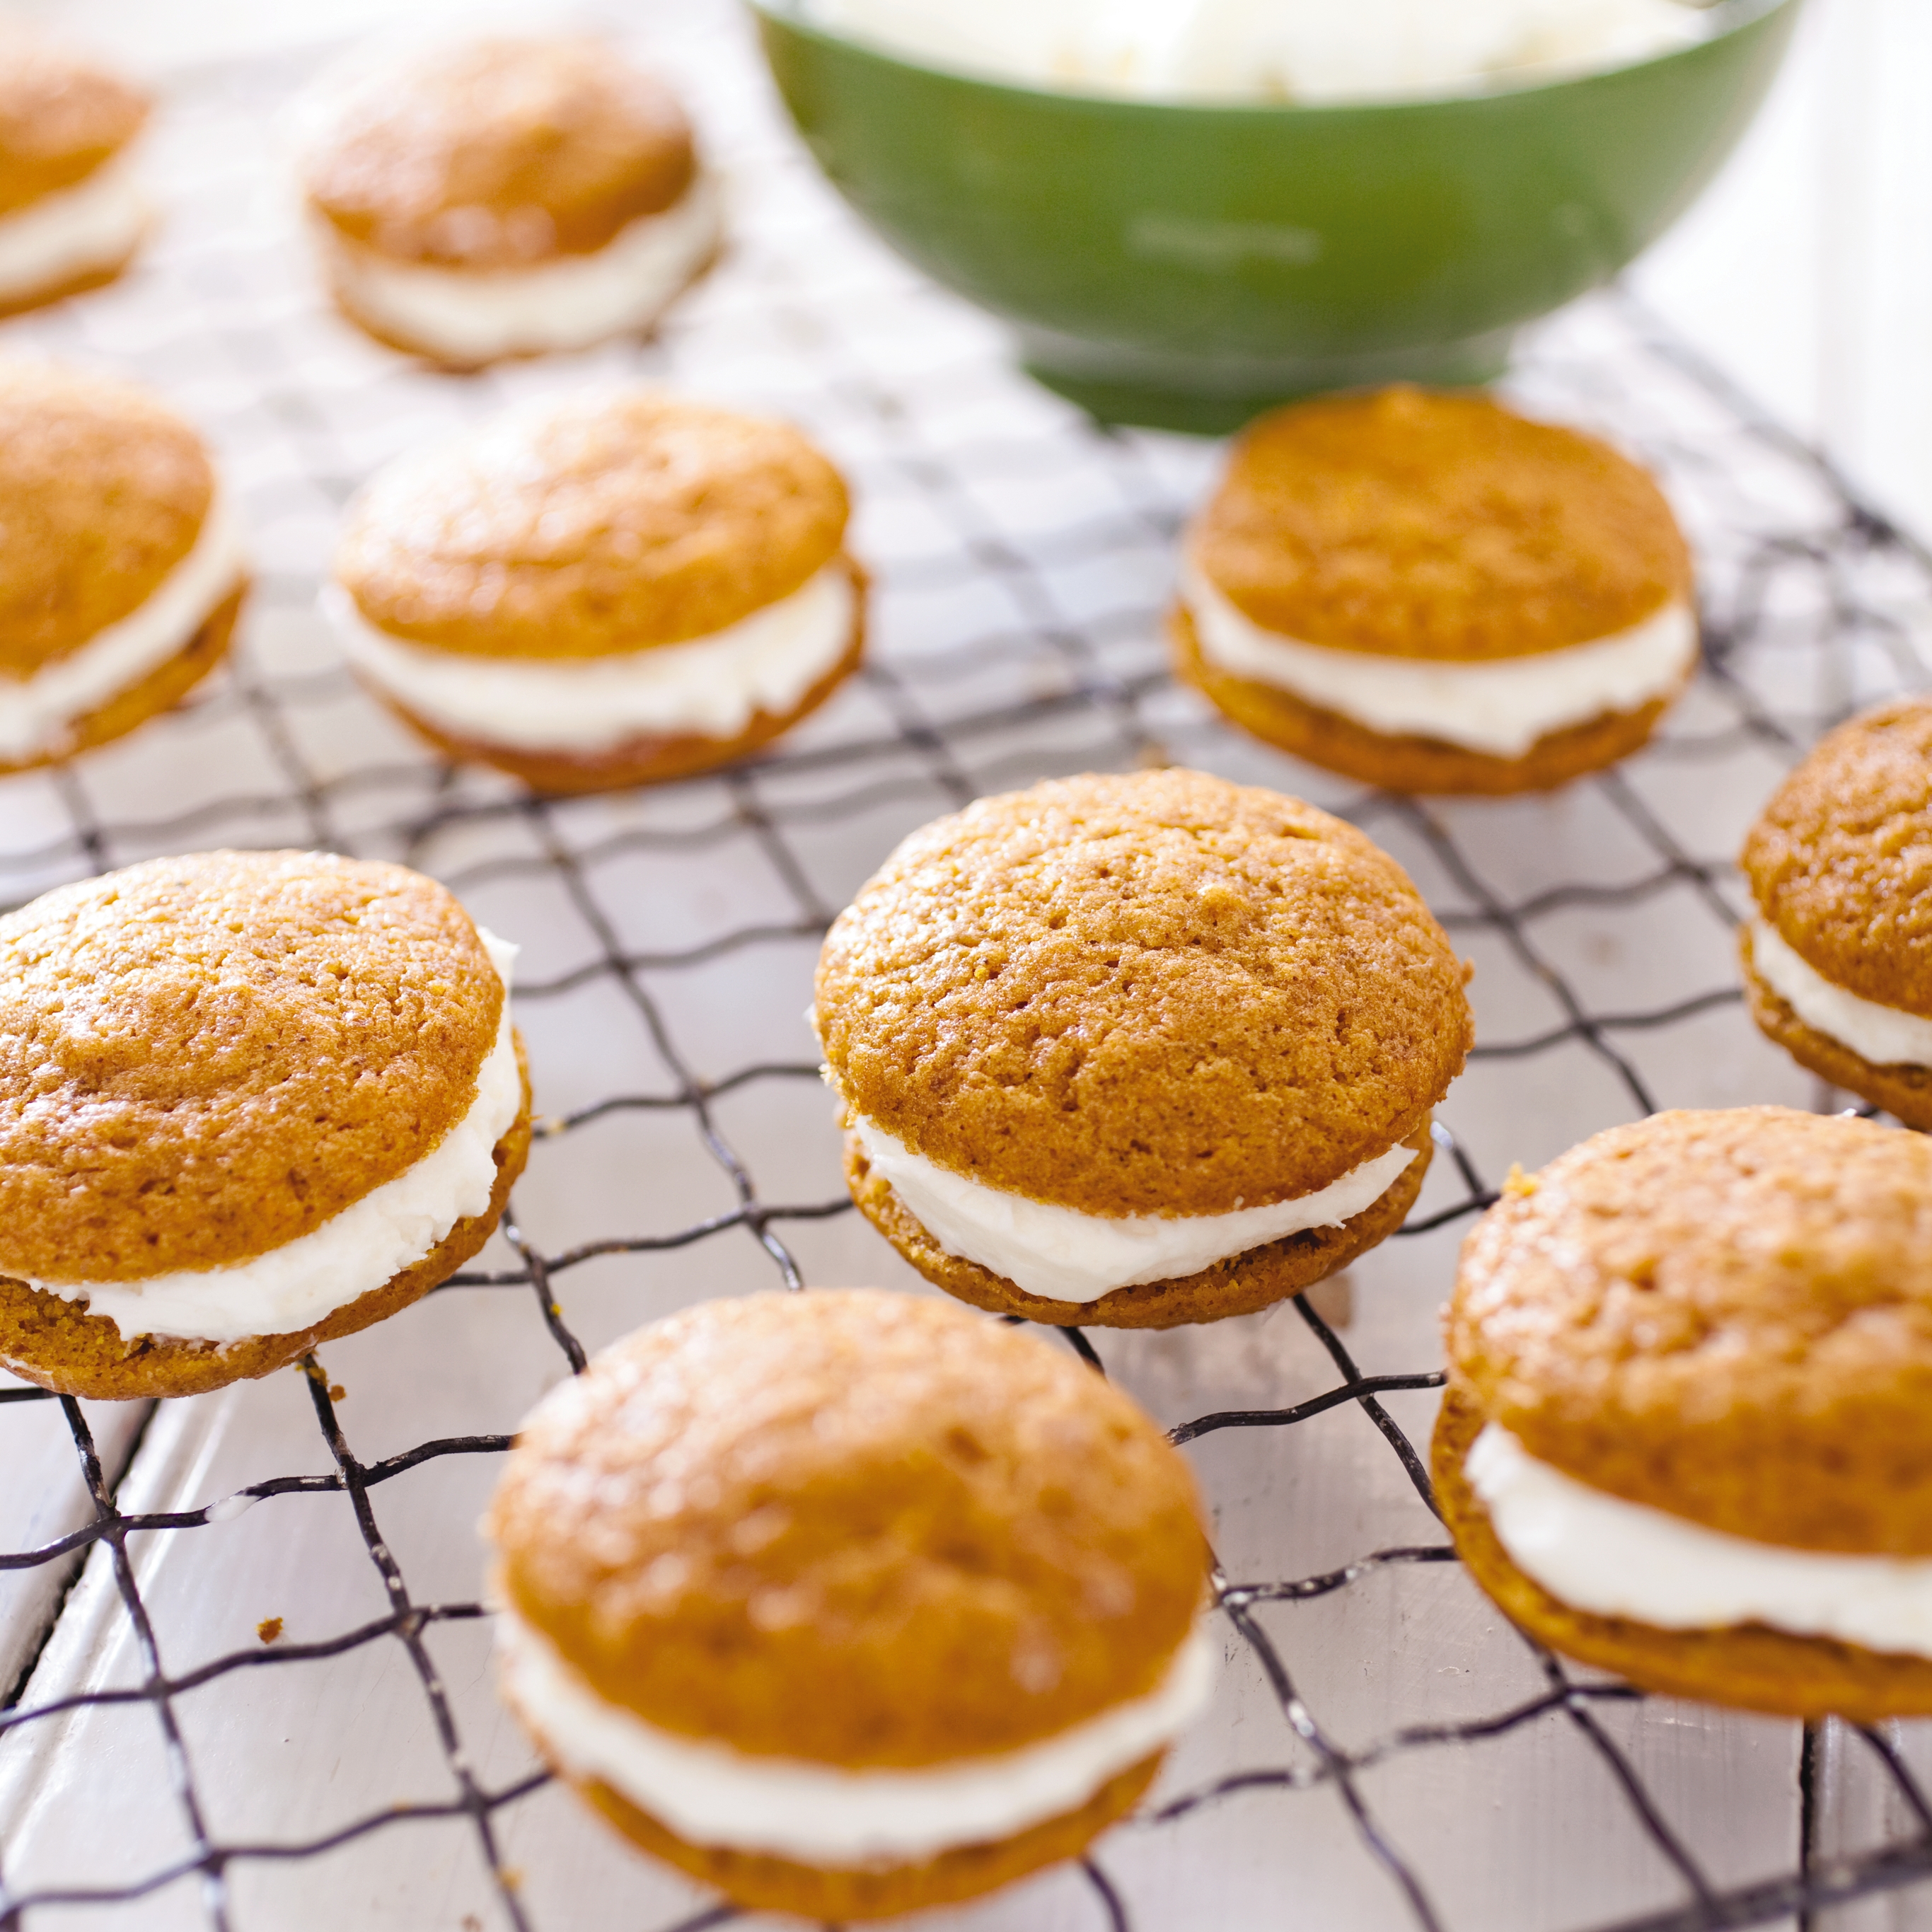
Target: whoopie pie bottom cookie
{"x": 1410, "y": 763}
{"x": 1242, "y": 1284}
{"x": 160, "y": 690}
{"x": 640, "y": 760}
{"x": 46, "y": 1339}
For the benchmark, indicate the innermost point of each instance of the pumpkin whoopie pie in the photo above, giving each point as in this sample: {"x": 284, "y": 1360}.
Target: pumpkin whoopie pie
{"x": 1425, "y": 591}
{"x": 71, "y": 214}
{"x": 1837, "y": 952}
{"x": 507, "y": 196}
{"x": 848, "y": 1603}
{"x": 120, "y": 569}
{"x": 1687, "y": 1436}
{"x": 618, "y": 587}
{"x": 249, "y": 1101}
{"x": 1139, "y": 1050}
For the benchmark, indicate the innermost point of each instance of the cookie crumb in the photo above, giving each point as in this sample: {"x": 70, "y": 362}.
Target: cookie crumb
{"x": 1519, "y": 1185}
{"x": 337, "y": 1392}
{"x": 268, "y": 1629}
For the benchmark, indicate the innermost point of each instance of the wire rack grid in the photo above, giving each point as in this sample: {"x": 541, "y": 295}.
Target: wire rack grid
{"x": 242, "y": 1646}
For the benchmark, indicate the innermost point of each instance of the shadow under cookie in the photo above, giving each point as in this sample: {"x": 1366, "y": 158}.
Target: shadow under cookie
{"x": 1749, "y": 1665}
{"x": 161, "y": 690}
{"x": 1905, "y": 1092}
{"x": 1409, "y": 764}
{"x": 640, "y": 760}
{"x": 48, "y": 1339}
{"x": 1242, "y": 1285}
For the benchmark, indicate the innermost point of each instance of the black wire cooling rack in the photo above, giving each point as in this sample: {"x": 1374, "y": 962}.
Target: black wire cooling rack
{"x": 1022, "y": 557}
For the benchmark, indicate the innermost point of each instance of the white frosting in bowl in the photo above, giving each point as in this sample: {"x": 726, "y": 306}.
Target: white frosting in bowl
{"x": 710, "y": 1794}
{"x": 1064, "y": 1255}
{"x": 1615, "y": 1558}
{"x": 710, "y": 687}
{"x": 1266, "y": 50}
{"x": 95, "y": 225}
{"x": 1886, "y": 1036}
{"x": 570, "y": 302}
{"x": 294, "y": 1286}
{"x": 1500, "y": 707}
{"x": 35, "y": 711}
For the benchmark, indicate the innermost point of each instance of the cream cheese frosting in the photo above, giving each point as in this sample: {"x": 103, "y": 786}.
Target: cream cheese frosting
{"x": 1500, "y": 707}
{"x": 1615, "y": 1558}
{"x": 1063, "y": 1254}
{"x": 1268, "y": 50}
{"x": 710, "y": 686}
{"x": 35, "y": 711}
{"x": 709, "y": 1794}
{"x": 476, "y": 315}
{"x": 1886, "y": 1036}
{"x": 293, "y": 1287}
{"x": 75, "y": 231}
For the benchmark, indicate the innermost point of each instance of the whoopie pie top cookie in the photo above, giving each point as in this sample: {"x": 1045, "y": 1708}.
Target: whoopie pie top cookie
{"x": 1138, "y": 1049}
{"x": 70, "y": 212}
{"x": 248, "y": 1100}
{"x": 849, "y": 1602}
{"x": 121, "y": 567}
{"x": 1688, "y": 1435}
{"x": 1837, "y": 952}
{"x": 508, "y": 196}
{"x": 618, "y": 585}
{"x": 1425, "y": 589}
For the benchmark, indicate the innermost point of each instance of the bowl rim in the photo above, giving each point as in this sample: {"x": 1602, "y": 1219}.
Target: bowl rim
{"x": 1732, "y": 17}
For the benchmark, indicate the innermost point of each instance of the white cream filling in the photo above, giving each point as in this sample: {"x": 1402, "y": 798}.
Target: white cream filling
{"x": 1267, "y": 50}
{"x": 1615, "y": 1558}
{"x": 708, "y": 687}
{"x": 294, "y": 1286}
{"x": 35, "y": 711}
{"x": 710, "y": 1794}
{"x": 568, "y": 302}
{"x": 1500, "y": 707}
{"x": 1886, "y": 1036}
{"x": 1065, "y": 1255}
{"x": 95, "y": 224}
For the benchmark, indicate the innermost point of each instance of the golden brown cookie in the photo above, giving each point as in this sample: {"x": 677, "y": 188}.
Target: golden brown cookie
{"x": 1726, "y": 1318}
{"x": 607, "y": 521}
{"x": 849, "y": 1532}
{"x": 1157, "y": 995}
{"x": 499, "y": 153}
{"x": 116, "y": 541}
{"x": 491, "y": 159}
{"x": 577, "y": 538}
{"x": 61, "y": 116}
{"x": 1434, "y": 530}
{"x": 103, "y": 491}
{"x": 1839, "y": 866}
{"x": 69, "y": 221}
{"x": 206, "y": 1062}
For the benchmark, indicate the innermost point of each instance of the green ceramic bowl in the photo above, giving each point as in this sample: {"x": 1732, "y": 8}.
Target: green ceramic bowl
{"x": 1187, "y": 265}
